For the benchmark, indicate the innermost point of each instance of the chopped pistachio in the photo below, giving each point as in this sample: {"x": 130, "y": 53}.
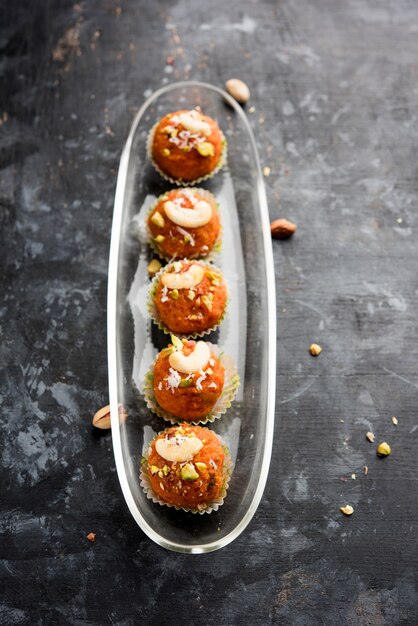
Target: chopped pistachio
{"x": 154, "y": 469}
{"x": 211, "y": 296}
{"x": 187, "y": 239}
{"x": 395, "y": 421}
{"x": 207, "y": 303}
{"x": 191, "y": 294}
{"x": 205, "y": 148}
{"x": 347, "y": 510}
{"x": 166, "y": 152}
{"x": 154, "y": 266}
{"x": 159, "y": 239}
{"x": 315, "y": 349}
{"x": 185, "y": 382}
{"x": 166, "y": 470}
{"x": 186, "y": 149}
{"x": 201, "y": 466}
{"x": 175, "y": 294}
{"x": 383, "y": 449}
{"x": 158, "y": 219}
{"x": 370, "y": 436}
{"x": 168, "y": 351}
{"x": 188, "y": 472}
{"x": 177, "y": 343}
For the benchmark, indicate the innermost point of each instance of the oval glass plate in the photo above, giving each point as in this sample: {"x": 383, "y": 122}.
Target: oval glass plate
{"x": 248, "y": 332}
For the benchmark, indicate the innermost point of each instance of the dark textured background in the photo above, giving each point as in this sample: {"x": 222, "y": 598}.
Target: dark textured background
{"x": 335, "y": 90}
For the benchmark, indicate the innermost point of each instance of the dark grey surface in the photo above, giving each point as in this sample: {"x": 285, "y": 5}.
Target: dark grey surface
{"x": 335, "y": 88}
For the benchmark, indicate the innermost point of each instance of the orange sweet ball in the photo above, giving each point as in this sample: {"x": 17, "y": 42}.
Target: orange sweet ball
{"x": 189, "y": 396}
{"x": 194, "y": 483}
{"x": 187, "y": 145}
{"x": 174, "y": 238}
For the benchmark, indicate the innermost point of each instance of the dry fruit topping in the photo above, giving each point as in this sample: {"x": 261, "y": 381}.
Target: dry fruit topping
{"x": 178, "y": 212}
{"x": 189, "y": 131}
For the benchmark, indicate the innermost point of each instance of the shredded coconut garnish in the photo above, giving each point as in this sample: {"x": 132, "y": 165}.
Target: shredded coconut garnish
{"x": 211, "y": 362}
{"x": 199, "y": 381}
{"x": 177, "y": 266}
{"x": 185, "y": 233}
{"x": 164, "y": 296}
{"x": 213, "y": 385}
{"x": 186, "y": 193}
{"x": 160, "y": 385}
{"x": 212, "y": 462}
{"x": 172, "y": 380}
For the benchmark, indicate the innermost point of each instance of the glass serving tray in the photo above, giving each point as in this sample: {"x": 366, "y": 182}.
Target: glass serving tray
{"x": 248, "y": 332}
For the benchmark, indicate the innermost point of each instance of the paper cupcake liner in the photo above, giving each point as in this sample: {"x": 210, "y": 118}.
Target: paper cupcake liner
{"x": 230, "y": 388}
{"x": 217, "y": 247}
{"x": 153, "y": 312}
{"x": 187, "y": 183}
{"x": 212, "y": 506}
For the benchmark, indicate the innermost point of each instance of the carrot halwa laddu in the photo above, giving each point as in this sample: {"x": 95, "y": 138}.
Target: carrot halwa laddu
{"x": 188, "y": 379}
{"x": 187, "y": 145}
{"x": 184, "y": 223}
{"x": 190, "y": 297}
{"x": 185, "y": 466}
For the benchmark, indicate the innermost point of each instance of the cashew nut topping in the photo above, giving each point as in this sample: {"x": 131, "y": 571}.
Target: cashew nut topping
{"x": 200, "y": 215}
{"x": 192, "y": 277}
{"x": 178, "y": 449}
{"x": 194, "y": 125}
{"x": 196, "y": 361}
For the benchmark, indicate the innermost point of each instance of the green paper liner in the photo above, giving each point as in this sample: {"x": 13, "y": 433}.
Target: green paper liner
{"x": 210, "y": 507}
{"x": 229, "y": 391}
{"x": 153, "y": 312}
{"x": 217, "y": 247}
{"x": 188, "y": 183}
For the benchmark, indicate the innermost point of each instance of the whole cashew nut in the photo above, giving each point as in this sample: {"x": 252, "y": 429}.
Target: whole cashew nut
{"x": 195, "y": 362}
{"x": 178, "y": 449}
{"x": 193, "y": 125}
{"x": 200, "y": 215}
{"x": 192, "y": 277}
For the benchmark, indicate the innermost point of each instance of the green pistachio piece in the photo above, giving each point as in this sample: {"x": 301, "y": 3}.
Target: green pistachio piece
{"x": 154, "y": 469}
{"x": 177, "y": 343}
{"x": 175, "y": 294}
{"x": 166, "y": 152}
{"x": 201, "y": 466}
{"x": 158, "y": 219}
{"x": 159, "y": 239}
{"x": 205, "y": 148}
{"x": 188, "y": 472}
{"x": 186, "y": 382}
{"x": 206, "y": 301}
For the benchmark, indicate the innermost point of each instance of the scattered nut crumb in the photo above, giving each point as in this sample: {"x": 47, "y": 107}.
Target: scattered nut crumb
{"x": 315, "y": 349}
{"x": 370, "y": 436}
{"x": 365, "y": 470}
{"x": 353, "y": 476}
{"x": 251, "y": 110}
{"x": 395, "y": 421}
{"x": 238, "y": 90}
{"x": 399, "y": 220}
{"x": 91, "y": 537}
{"x": 347, "y": 509}
{"x": 383, "y": 449}
{"x": 154, "y": 266}
{"x": 266, "y": 170}
{"x": 282, "y": 229}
